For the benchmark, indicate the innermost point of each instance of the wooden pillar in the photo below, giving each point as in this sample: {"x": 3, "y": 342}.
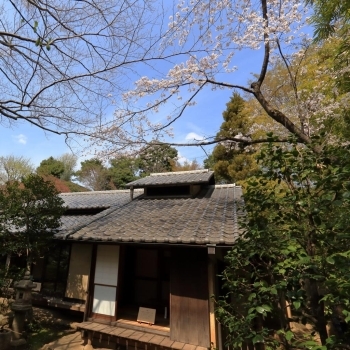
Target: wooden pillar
{"x": 90, "y": 291}
{"x": 89, "y": 346}
{"x": 211, "y": 290}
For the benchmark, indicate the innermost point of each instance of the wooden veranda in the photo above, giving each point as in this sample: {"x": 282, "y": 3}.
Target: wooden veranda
{"x": 131, "y": 336}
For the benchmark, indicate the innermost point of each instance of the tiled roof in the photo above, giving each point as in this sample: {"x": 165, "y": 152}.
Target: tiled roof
{"x": 70, "y": 223}
{"x": 107, "y": 200}
{"x": 209, "y": 218}
{"x": 174, "y": 178}
{"x": 95, "y": 199}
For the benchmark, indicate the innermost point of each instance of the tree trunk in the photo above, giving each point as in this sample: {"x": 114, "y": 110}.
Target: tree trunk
{"x": 29, "y": 261}
{"x": 259, "y": 327}
{"x": 312, "y": 289}
{"x": 317, "y": 311}
{"x": 7, "y": 264}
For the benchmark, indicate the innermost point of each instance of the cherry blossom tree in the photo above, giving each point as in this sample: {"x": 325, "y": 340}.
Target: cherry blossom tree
{"x": 63, "y": 66}
{"x": 61, "y": 63}
{"x": 197, "y": 50}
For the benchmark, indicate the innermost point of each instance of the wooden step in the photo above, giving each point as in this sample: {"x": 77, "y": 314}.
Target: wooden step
{"x": 154, "y": 329}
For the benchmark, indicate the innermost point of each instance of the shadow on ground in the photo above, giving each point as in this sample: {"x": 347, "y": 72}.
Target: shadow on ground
{"x": 56, "y": 327}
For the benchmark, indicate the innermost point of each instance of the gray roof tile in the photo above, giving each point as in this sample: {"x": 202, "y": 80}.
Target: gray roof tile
{"x": 174, "y": 178}
{"x": 211, "y": 217}
{"x": 95, "y": 199}
{"x": 106, "y": 200}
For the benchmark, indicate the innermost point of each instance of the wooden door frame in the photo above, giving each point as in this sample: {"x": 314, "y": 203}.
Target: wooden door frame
{"x": 192, "y": 263}
{"x": 90, "y": 313}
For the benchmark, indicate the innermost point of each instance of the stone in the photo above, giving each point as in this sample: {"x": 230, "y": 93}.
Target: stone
{"x": 20, "y": 307}
{"x": 5, "y": 339}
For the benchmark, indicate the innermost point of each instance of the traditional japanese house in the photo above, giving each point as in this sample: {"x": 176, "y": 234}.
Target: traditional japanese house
{"x": 158, "y": 247}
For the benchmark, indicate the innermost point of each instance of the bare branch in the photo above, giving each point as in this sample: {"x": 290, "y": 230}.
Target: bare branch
{"x": 266, "y": 59}
{"x": 62, "y": 66}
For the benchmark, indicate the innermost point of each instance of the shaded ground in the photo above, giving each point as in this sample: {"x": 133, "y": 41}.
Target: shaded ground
{"x": 71, "y": 341}
{"x": 46, "y": 326}
{"x": 51, "y": 329}
{"x": 49, "y": 324}
{"x": 57, "y": 330}
{"x": 56, "y": 317}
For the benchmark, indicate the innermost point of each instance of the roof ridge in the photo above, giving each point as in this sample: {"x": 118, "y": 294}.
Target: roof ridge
{"x": 97, "y": 192}
{"x": 200, "y": 171}
{"x": 225, "y": 186}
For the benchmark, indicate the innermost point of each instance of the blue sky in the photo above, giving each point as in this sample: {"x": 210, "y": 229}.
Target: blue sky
{"x": 201, "y": 120}
{"x": 30, "y": 142}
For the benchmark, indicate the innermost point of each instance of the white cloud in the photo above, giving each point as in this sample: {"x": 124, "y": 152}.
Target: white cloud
{"x": 20, "y": 139}
{"x": 192, "y": 136}
{"x": 181, "y": 159}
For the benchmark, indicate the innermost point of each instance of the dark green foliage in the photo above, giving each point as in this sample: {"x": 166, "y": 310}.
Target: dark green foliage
{"x": 51, "y": 166}
{"x": 156, "y": 158}
{"x": 94, "y": 175}
{"x": 69, "y": 162}
{"x": 231, "y": 161}
{"x": 29, "y": 216}
{"x": 123, "y": 170}
{"x": 295, "y": 249}
{"x": 209, "y": 162}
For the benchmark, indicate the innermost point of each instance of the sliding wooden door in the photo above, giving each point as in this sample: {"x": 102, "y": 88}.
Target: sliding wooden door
{"x": 189, "y": 301}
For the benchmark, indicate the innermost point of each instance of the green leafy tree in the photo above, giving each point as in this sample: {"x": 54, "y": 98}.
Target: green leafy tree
{"x": 69, "y": 163}
{"x": 94, "y": 175}
{"x": 308, "y": 87}
{"x": 294, "y": 253}
{"x": 328, "y": 15}
{"x": 51, "y": 166}
{"x": 332, "y": 19}
{"x": 29, "y": 217}
{"x": 60, "y": 172}
{"x": 232, "y": 162}
{"x": 209, "y": 162}
{"x": 123, "y": 170}
{"x": 156, "y": 158}
{"x": 13, "y": 168}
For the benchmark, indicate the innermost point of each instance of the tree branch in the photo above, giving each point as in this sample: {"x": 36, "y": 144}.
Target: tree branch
{"x": 266, "y": 59}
